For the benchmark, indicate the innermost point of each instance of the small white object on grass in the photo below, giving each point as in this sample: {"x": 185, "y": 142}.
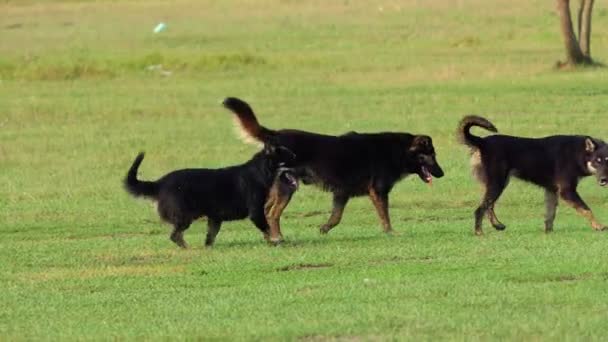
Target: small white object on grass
{"x": 160, "y": 27}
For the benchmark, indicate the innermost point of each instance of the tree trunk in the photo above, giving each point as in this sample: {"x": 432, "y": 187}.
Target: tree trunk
{"x": 574, "y": 55}
{"x": 584, "y": 34}
{"x": 580, "y": 17}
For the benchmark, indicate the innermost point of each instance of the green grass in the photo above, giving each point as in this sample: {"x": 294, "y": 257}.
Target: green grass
{"x": 80, "y": 259}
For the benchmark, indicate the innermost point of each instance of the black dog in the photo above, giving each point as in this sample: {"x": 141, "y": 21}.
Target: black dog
{"x": 556, "y": 163}
{"x": 227, "y": 194}
{"x": 349, "y": 165}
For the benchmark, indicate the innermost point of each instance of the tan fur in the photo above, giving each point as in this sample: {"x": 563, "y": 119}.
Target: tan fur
{"x": 591, "y": 169}
{"x": 589, "y": 145}
{"x": 243, "y": 135}
{"x": 477, "y": 166}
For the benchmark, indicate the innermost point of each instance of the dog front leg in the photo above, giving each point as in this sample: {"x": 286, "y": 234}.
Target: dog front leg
{"x": 339, "y": 203}
{"x": 213, "y": 227}
{"x": 550, "y": 208}
{"x": 570, "y": 196}
{"x": 278, "y": 199}
{"x": 259, "y": 220}
{"x": 380, "y": 201}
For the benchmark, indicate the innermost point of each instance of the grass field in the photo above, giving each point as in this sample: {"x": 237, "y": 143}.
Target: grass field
{"x": 80, "y": 259}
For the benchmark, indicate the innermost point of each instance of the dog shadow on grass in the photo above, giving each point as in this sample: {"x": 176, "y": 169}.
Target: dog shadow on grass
{"x": 312, "y": 241}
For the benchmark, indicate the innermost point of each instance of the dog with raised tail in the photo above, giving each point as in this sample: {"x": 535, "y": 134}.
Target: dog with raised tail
{"x": 555, "y": 163}
{"x": 226, "y": 194}
{"x": 349, "y": 165}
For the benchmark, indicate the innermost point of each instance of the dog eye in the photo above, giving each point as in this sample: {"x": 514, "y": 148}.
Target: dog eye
{"x": 599, "y": 160}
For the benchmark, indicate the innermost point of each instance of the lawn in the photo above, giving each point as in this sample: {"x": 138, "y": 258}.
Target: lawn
{"x": 85, "y": 85}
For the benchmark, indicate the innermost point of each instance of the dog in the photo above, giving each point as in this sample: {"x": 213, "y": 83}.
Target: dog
{"x": 353, "y": 164}
{"x": 555, "y": 163}
{"x": 226, "y": 194}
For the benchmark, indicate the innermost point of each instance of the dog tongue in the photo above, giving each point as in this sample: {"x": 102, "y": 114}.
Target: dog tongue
{"x": 427, "y": 176}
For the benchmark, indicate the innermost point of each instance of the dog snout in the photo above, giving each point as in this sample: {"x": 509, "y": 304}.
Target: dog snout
{"x": 436, "y": 171}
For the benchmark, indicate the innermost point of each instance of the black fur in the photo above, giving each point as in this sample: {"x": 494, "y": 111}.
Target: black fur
{"x": 352, "y": 164}
{"x": 226, "y": 194}
{"x": 555, "y": 163}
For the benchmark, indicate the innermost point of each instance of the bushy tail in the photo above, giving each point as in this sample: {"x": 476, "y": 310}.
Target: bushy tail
{"x": 136, "y": 187}
{"x": 464, "y": 134}
{"x": 249, "y": 126}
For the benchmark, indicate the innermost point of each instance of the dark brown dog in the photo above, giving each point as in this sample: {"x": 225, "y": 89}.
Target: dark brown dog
{"x": 555, "y": 163}
{"x": 348, "y": 165}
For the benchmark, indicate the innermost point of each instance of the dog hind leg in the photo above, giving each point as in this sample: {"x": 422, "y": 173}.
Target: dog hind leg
{"x": 339, "y": 203}
{"x": 494, "y": 189}
{"x": 177, "y": 235}
{"x": 494, "y": 219}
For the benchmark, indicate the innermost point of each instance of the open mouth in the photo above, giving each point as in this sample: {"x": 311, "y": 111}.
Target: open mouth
{"x": 288, "y": 178}
{"x": 603, "y": 182}
{"x": 425, "y": 175}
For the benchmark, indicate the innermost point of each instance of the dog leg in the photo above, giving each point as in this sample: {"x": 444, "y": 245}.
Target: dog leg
{"x": 493, "y": 192}
{"x": 339, "y": 203}
{"x": 380, "y": 201}
{"x": 550, "y": 208}
{"x": 494, "y": 220}
{"x": 213, "y": 227}
{"x": 177, "y": 235}
{"x": 571, "y": 197}
{"x": 259, "y": 220}
{"x": 278, "y": 199}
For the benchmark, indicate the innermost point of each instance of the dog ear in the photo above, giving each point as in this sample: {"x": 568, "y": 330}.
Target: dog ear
{"x": 589, "y": 145}
{"x": 421, "y": 142}
{"x": 269, "y": 149}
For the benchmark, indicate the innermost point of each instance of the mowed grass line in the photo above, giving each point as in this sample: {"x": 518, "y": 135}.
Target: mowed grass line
{"x": 80, "y": 259}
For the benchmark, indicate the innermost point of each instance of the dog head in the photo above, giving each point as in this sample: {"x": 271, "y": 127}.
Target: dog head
{"x": 281, "y": 160}
{"x": 597, "y": 160}
{"x": 421, "y": 157}
{"x": 281, "y": 156}
{"x": 287, "y": 176}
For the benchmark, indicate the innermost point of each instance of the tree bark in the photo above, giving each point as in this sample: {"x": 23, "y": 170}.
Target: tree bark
{"x": 580, "y": 17}
{"x": 584, "y": 35}
{"x": 574, "y": 55}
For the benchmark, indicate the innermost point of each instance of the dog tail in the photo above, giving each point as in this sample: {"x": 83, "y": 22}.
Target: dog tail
{"x": 464, "y": 128}
{"x": 136, "y": 187}
{"x": 249, "y": 127}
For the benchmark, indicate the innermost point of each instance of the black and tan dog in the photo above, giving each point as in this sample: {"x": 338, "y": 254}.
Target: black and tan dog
{"x": 227, "y": 194}
{"x": 349, "y": 165}
{"x": 555, "y": 163}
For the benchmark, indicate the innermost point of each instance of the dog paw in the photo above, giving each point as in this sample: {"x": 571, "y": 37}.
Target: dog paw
{"x": 479, "y": 232}
{"x": 324, "y": 229}
{"x": 500, "y": 226}
{"x": 275, "y": 242}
